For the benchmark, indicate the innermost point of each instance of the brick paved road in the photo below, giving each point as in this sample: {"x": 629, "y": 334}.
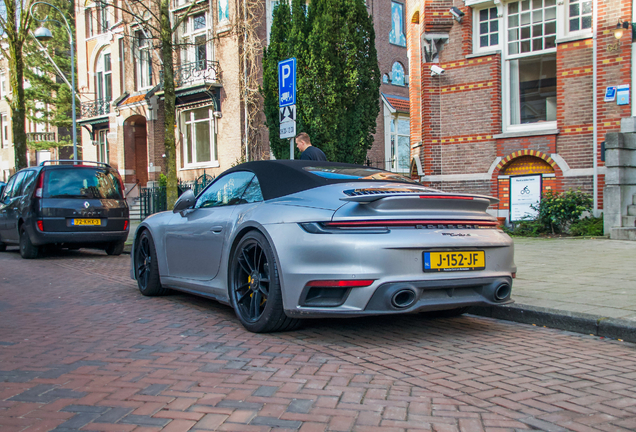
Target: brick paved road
{"x": 81, "y": 349}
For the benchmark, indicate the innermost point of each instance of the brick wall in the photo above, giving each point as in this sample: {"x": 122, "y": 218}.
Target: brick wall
{"x": 461, "y": 111}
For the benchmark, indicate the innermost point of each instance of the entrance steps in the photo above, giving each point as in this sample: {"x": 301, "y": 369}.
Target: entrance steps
{"x": 135, "y": 209}
{"x": 627, "y": 230}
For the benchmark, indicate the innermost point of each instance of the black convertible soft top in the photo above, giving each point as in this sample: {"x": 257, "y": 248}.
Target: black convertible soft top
{"x": 279, "y": 178}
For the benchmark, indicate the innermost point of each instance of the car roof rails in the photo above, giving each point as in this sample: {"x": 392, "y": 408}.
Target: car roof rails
{"x": 74, "y": 162}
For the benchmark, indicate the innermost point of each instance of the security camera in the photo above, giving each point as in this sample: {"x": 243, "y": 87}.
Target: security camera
{"x": 217, "y": 114}
{"x": 436, "y": 70}
{"x": 457, "y": 14}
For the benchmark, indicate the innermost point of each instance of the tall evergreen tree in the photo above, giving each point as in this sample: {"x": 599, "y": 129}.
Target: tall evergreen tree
{"x": 48, "y": 97}
{"x": 338, "y": 77}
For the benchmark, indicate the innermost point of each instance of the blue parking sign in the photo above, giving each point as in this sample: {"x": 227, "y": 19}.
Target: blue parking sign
{"x": 287, "y": 82}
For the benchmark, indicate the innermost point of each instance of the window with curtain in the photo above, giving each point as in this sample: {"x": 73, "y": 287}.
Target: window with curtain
{"x": 199, "y": 138}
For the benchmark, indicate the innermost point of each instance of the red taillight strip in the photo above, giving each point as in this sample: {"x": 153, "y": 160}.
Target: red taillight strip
{"x": 125, "y": 225}
{"x": 409, "y": 223}
{"x": 341, "y": 283}
{"x": 457, "y": 197}
{"x": 39, "y": 185}
{"x": 40, "y": 225}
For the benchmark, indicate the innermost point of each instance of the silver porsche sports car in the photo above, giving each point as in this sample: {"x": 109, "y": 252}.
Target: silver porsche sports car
{"x": 284, "y": 240}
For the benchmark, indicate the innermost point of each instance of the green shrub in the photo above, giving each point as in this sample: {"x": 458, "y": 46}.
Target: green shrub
{"x": 163, "y": 180}
{"x": 557, "y": 211}
{"x": 526, "y": 228}
{"x": 589, "y": 227}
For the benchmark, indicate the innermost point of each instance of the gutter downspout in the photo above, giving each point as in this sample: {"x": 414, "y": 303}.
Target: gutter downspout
{"x": 595, "y": 105}
{"x": 247, "y": 127}
{"x": 633, "y": 58}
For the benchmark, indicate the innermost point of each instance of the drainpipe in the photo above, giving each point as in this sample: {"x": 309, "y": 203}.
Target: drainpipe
{"x": 595, "y": 103}
{"x": 247, "y": 127}
{"x": 633, "y": 59}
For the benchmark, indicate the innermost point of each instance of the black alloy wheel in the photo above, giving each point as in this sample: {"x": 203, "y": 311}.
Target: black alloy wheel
{"x": 146, "y": 268}
{"x": 255, "y": 287}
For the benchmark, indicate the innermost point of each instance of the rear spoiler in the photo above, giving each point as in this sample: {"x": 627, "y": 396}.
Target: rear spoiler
{"x": 366, "y": 198}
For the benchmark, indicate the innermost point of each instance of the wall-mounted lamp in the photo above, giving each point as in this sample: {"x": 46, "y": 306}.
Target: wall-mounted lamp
{"x": 621, "y": 28}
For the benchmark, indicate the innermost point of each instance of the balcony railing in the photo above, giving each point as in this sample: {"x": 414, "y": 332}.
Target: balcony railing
{"x": 198, "y": 72}
{"x": 40, "y": 136}
{"x": 95, "y": 108}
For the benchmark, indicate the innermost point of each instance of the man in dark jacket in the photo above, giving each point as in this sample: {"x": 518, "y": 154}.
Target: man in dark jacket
{"x": 309, "y": 152}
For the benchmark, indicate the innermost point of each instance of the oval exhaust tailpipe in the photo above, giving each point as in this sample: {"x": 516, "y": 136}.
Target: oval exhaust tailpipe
{"x": 403, "y": 298}
{"x": 502, "y": 292}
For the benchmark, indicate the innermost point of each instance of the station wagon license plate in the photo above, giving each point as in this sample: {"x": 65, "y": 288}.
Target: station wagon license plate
{"x": 87, "y": 222}
{"x": 454, "y": 261}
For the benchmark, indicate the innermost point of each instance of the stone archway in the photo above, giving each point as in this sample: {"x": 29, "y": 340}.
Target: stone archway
{"x": 136, "y": 150}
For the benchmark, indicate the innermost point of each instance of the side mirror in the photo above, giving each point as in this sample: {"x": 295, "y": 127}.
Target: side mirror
{"x": 185, "y": 201}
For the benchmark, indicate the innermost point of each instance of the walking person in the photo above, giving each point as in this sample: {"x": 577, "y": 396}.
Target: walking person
{"x": 309, "y": 152}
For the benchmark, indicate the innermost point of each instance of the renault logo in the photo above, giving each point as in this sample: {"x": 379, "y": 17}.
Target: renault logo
{"x": 86, "y": 204}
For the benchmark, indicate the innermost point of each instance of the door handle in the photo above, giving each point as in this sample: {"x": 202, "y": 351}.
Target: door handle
{"x": 216, "y": 229}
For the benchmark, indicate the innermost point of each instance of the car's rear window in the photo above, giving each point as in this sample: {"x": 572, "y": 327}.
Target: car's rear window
{"x": 355, "y": 173}
{"x": 89, "y": 183}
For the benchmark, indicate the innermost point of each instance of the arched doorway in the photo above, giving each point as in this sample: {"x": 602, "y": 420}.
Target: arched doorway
{"x": 136, "y": 150}
{"x": 534, "y": 171}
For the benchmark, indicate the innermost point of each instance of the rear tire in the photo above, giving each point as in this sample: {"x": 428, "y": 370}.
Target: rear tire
{"x": 27, "y": 249}
{"x": 146, "y": 267}
{"x": 115, "y": 248}
{"x": 255, "y": 291}
{"x": 3, "y": 247}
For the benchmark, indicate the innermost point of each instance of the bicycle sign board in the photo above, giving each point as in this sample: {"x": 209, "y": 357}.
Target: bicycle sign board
{"x": 525, "y": 191}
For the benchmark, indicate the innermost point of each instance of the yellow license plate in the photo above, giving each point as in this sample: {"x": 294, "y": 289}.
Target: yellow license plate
{"x": 87, "y": 222}
{"x": 454, "y": 261}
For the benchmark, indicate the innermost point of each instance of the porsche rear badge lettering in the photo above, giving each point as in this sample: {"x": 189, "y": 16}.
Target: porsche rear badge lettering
{"x": 456, "y": 234}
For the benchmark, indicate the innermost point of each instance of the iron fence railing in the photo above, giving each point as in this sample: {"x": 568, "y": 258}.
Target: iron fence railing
{"x": 40, "y": 136}
{"x": 197, "y": 72}
{"x": 154, "y": 199}
{"x": 95, "y": 108}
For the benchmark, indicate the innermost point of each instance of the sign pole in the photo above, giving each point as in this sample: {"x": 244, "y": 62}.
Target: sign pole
{"x": 291, "y": 149}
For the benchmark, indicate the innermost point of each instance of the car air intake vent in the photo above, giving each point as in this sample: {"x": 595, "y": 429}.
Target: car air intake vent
{"x": 392, "y": 191}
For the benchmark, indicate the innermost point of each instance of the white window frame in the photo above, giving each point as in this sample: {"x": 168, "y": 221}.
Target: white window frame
{"x": 187, "y": 121}
{"x": 143, "y": 62}
{"x": 508, "y": 127}
{"x": 269, "y": 6}
{"x": 476, "y": 35}
{"x": 3, "y": 84}
{"x": 106, "y": 76}
{"x": 6, "y": 142}
{"x": 189, "y": 35}
{"x": 393, "y": 148}
{"x": 563, "y": 24}
{"x": 103, "y": 150}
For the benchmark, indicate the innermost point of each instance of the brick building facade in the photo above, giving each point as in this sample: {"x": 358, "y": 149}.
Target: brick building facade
{"x": 516, "y": 94}
{"x": 121, "y": 85}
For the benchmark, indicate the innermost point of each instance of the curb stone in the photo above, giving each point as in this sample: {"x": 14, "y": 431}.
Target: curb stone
{"x": 590, "y": 324}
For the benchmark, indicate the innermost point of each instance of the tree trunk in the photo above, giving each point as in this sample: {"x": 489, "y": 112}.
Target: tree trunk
{"x": 169, "y": 104}
{"x": 17, "y": 104}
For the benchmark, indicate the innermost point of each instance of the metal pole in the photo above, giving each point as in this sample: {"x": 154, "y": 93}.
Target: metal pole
{"x": 291, "y": 149}
{"x": 73, "y": 96}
